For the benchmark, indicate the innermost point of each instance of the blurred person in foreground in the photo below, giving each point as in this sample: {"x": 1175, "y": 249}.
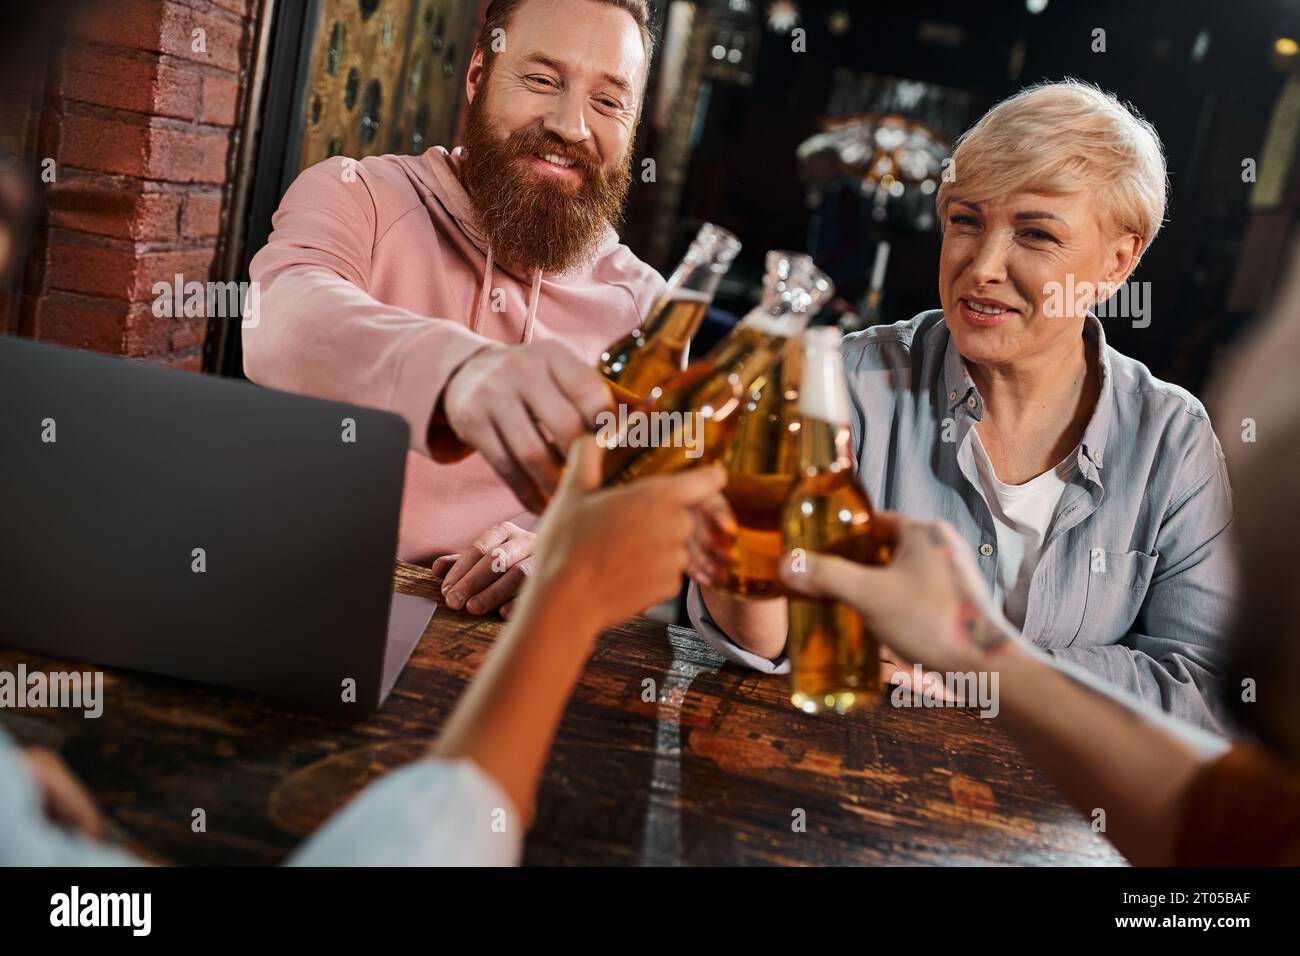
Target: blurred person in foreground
{"x": 1096, "y": 494}
{"x": 1172, "y": 793}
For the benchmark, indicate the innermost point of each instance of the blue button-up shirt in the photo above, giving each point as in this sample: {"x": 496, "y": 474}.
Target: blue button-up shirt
{"x": 1135, "y": 580}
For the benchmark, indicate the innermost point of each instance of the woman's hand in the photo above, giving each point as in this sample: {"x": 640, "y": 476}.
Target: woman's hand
{"x": 612, "y": 552}
{"x": 712, "y": 540}
{"x": 490, "y": 573}
{"x": 929, "y": 605}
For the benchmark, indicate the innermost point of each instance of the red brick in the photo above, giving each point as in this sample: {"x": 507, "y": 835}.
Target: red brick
{"x": 202, "y": 216}
{"x": 155, "y": 216}
{"x": 104, "y": 268}
{"x": 193, "y": 265}
{"x": 188, "y": 156}
{"x": 136, "y": 24}
{"x": 112, "y": 146}
{"x": 186, "y": 363}
{"x": 188, "y": 333}
{"x": 113, "y": 269}
{"x": 159, "y": 27}
{"x": 220, "y": 100}
{"x": 146, "y": 333}
{"x": 121, "y": 80}
{"x": 223, "y": 40}
{"x": 242, "y": 8}
{"x": 128, "y": 80}
{"x": 81, "y": 323}
{"x": 145, "y": 151}
{"x": 103, "y": 207}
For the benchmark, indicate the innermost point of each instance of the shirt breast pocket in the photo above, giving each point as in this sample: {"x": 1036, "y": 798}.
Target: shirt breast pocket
{"x": 1117, "y": 586}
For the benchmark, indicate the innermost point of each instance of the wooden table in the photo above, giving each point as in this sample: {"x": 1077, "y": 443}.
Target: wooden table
{"x": 719, "y": 769}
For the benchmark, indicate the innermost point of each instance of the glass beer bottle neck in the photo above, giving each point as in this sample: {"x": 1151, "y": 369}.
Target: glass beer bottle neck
{"x": 677, "y": 317}
{"x": 824, "y": 446}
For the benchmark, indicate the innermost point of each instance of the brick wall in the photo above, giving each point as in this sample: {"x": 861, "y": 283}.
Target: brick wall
{"x": 139, "y": 114}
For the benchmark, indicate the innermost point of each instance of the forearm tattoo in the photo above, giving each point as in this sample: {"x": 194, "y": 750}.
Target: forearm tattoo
{"x": 974, "y": 626}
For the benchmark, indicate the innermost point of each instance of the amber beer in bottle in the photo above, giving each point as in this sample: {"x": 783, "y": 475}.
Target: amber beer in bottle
{"x": 689, "y": 419}
{"x": 762, "y": 463}
{"x": 647, "y": 356}
{"x": 834, "y": 660}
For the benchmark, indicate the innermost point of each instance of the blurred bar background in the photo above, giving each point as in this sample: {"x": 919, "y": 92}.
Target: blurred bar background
{"x": 816, "y": 125}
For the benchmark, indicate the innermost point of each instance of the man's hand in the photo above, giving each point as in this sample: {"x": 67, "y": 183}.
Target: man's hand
{"x": 63, "y": 798}
{"x": 929, "y": 605}
{"x": 490, "y": 573}
{"x": 521, "y": 406}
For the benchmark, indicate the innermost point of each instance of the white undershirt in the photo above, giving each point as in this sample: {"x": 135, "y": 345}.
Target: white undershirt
{"x": 1022, "y": 515}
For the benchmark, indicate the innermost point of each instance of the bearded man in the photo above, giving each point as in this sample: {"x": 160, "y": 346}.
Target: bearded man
{"x": 472, "y": 291}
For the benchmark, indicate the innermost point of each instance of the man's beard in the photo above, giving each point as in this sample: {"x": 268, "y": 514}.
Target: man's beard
{"x": 531, "y": 221}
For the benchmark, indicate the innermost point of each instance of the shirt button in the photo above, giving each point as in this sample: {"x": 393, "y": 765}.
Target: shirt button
{"x": 1096, "y": 456}
{"x": 986, "y": 549}
{"x": 971, "y": 402}
{"x": 952, "y": 396}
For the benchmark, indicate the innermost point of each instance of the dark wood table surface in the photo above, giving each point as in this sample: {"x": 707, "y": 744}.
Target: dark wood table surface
{"x": 717, "y": 771}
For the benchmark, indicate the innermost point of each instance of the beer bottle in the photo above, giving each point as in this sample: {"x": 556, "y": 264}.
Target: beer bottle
{"x": 834, "y": 660}
{"x": 762, "y": 462}
{"x": 647, "y": 356}
{"x": 690, "y": 418}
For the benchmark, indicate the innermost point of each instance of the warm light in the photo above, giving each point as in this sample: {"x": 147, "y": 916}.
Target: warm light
{"x": 1286, "y": 46}
{"x": 783, "y": 16}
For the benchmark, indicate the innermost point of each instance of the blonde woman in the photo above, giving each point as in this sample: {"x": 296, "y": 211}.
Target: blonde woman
{"x": 1173, "y": 794}
{"x": 1094, "y": 495}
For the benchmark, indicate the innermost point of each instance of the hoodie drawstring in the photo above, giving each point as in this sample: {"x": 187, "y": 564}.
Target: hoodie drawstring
{"x": 534, "y": 296}
{"x": 483, "y": 293}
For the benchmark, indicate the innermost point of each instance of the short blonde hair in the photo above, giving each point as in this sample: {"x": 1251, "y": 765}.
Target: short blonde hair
{"x": 1065, "y": 137}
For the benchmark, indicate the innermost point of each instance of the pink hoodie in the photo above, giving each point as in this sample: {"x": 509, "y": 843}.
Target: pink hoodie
{"x": 376, "y": 284}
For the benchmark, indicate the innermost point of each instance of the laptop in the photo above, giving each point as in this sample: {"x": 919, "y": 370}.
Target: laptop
{"x": 201, "y": 528}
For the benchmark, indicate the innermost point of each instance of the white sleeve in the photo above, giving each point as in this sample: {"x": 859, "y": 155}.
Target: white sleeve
{"x": 429, "y": 813}
{"x": 714, "y": 636}
{"x": 27, "y": 837}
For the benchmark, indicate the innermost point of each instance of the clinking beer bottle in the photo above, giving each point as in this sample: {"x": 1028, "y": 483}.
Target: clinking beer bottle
{"x": 647, "y": 356}
{"x": 834, "y": 661}
{"x": 690, "y": 418}
{"x": 762, "y": 463}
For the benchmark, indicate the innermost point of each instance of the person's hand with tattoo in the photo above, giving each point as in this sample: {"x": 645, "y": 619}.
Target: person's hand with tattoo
{"x": 929, "y": 605}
